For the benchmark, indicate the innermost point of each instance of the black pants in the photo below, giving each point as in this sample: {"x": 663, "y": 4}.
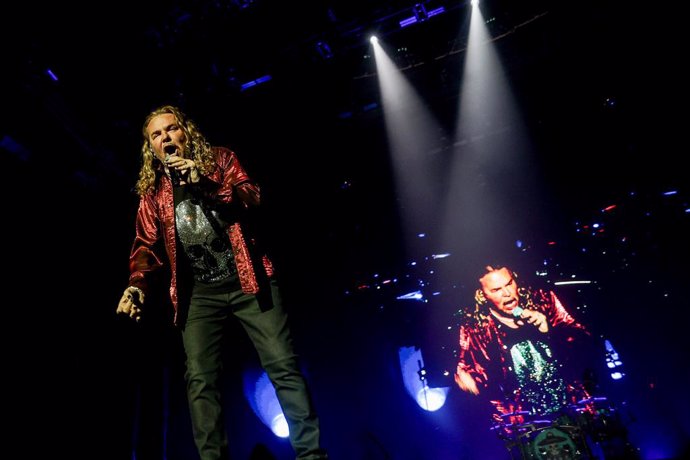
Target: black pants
{"x": 267, "y": 326}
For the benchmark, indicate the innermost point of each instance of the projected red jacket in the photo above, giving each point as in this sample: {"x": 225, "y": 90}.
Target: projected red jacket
{"x": 485, "y": 345}
{"x": 227, "y": 183}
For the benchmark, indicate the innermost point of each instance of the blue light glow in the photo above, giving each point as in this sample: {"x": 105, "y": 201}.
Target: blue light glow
{"x": 279, "y": 426}
{"x": 415, "y": 379}
{"x": 253, "y": 83}
{"x": 262, "y": 398}
{"x": 415, "y": 295}
{"x": 432, "y": 399}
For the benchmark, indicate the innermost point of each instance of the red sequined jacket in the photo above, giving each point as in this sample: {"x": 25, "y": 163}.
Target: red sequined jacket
{"x": 227, "y": 183}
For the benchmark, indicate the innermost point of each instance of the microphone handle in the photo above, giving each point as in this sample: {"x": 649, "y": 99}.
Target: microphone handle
{"x": 172, "y": 172}
{"x": 174, "y": 177}
{"x": 517, "y": 312}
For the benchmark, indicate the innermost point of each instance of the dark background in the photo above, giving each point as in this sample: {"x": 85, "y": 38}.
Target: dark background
{"x": 603, "y": 96}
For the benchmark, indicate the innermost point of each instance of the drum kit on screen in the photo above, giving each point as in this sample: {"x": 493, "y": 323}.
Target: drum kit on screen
{"x": 588, "y": 429}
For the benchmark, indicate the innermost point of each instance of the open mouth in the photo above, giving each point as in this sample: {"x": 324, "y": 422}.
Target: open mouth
{"x": 170, "y": 149}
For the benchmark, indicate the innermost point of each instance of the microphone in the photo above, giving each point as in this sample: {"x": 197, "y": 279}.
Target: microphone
{"x": 174, "y": 175}
{"x": 517, "y": 312}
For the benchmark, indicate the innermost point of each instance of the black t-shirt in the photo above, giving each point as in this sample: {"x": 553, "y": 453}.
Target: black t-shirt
{"x": 206, "y": 251}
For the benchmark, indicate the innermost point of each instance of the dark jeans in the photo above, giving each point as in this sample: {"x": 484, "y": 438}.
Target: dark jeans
{"x": 266, "y": 323}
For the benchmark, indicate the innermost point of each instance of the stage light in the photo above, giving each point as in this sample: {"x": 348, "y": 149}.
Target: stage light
{"x": 258, "y": 81}
{"x": 324, "y": 50}
{"x": 415, "y": 378}
{"x": 415, "y": 295}
{"x": 613, "y": 361}
{"x": 432, "y": 399}
{"x": 421, "y": 14}
{"x": 279, "y": 426}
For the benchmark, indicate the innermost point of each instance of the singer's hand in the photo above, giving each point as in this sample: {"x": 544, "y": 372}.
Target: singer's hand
{"x": 536, "y": 319}
{"x": 130, "y": 303}
{"x": 185, "y": 167}
{"x": 466, "y": 382}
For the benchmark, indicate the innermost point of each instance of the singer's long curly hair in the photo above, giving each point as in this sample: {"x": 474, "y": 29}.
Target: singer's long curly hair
{"x": 197, "y": 148}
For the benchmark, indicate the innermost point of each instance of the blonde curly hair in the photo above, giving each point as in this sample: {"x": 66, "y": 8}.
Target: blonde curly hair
{"x": 197, "y": 148}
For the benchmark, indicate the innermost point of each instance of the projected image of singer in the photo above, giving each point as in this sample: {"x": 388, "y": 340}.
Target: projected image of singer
{"x": 509, "y": 346}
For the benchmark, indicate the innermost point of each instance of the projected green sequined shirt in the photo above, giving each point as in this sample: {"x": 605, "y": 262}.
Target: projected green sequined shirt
{"x": 518, "y": 365}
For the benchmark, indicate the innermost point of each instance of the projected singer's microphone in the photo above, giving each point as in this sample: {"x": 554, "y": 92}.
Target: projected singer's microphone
{"x": 174, "y": 175}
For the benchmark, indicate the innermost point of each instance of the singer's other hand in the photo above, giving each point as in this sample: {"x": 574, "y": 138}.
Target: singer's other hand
{"x": 536, "y": 319}
{"x": 130, "y": 303}
{"x": 465, "y": 381}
